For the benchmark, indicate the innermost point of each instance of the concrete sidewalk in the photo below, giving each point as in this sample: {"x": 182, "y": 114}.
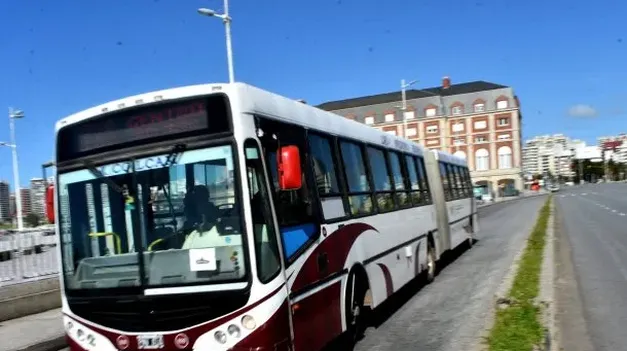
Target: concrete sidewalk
{"x": 37, "y": 332}
{"x": 523, "y": 195}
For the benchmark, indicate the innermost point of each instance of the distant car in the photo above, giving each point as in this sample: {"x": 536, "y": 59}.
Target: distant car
{"x": 554, "y": 187}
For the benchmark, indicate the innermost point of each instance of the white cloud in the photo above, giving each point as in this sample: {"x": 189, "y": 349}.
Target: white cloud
{"x": 582, "y": 110}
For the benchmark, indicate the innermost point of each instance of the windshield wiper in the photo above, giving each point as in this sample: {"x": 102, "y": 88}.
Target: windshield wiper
{"x": 98, "y": 174}
{"x": 174, "y": 154}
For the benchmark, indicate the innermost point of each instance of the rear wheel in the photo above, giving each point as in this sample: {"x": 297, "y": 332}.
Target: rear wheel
{"x": 431, "y": 263}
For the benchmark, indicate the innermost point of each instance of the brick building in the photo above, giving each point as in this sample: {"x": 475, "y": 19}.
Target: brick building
{"x": 480, "y": 121}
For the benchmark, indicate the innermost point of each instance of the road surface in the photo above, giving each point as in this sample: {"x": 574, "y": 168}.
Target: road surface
{"x": 449, "y": 314}
{"x": 594, "y": 223}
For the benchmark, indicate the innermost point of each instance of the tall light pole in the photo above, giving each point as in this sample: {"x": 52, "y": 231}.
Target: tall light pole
{"x": 227, "y": 26}
{"x": 13, "y": 115}
{"x": 404, "y": 86}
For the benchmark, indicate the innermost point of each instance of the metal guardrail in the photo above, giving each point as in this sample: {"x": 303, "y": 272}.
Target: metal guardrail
{"x": 27, "y": 256}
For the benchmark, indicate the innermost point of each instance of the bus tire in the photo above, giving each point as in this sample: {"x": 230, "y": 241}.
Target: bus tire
{"x": 431, "y": 262}
{"x": 356, "y": 288}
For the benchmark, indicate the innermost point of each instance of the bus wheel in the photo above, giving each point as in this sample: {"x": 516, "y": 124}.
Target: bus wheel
{"x": 431, "y": 263}
{"x": 355, "y": 311}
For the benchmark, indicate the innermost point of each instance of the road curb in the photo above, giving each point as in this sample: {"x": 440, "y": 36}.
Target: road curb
{"x": 546, "y": 296}
{"x": 55, "y": 344}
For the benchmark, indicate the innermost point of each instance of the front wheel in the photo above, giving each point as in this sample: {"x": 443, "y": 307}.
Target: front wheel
{"x": 355, "y": 317}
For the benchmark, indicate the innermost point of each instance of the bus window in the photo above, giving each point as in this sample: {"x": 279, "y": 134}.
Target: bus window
{"x": 297, "y": 223}
{"x": 381, "y": 179}
{"x": 445, "y": 181}
{"x": 414, "y": 181}
{"x": 402, "y": 193}
{"x": 424, "y": 181}
{"x": 359, "y": 198}
{"x": 266, "y": 246}
{"x": 325, "y": 173}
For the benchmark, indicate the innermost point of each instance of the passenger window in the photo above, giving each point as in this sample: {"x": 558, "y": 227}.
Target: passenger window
{"x": 359, "y": 198}
{"x": 402, "y": 193}
{"x": 381, "y": 178}
{"x": 445, "y": 183}
{"x": 323, "y": 163}
{"x": 297, "y": 221}
{"x": 414, "y": 181}
{"x": 424, "y": 181}
{"x": 457, "y": 191}
{"x": 266, "y": 245}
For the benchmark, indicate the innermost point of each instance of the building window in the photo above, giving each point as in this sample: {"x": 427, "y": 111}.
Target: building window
{"x": 457, "y": 110}
{"x": 393, "y": 132}
{"x": 459, "y": 142}
{"x": 430, "y": 112}
{"x": 409, "y": 114}
{"x": 369, "y": 120}
{"x": 501, "y": 104}
{"x": 411, "y": 132}
{"x": 458, "y": 127}
{"x": 480, "y": 139}
{"x": 389, "y": 117}
{"x": 432, "y": 142}
{"x": 482, "y": 160}
{"x": 505, "y": 157}
{"x": 432, "y": 129}
{"x": 480, "y": 107}
{"x": 503, "y": 122}
{"x": 460, "y": 154}
{"x": 504, "y": 137}
{"x": 481, "y": 125}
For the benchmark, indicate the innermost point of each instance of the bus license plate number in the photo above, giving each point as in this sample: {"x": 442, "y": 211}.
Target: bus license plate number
{"x": 149, "y": 342}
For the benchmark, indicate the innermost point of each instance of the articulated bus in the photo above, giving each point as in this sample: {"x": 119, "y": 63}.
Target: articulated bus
{"x": 225, "y": 217}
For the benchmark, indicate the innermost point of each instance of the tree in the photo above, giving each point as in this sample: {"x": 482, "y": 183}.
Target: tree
{"x": 32, "y": 219}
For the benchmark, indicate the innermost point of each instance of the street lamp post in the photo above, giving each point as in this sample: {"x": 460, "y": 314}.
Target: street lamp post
{"x": 227, "y": 26}
{"x": 13, "y": 115}
{"x": 404, "y": 86}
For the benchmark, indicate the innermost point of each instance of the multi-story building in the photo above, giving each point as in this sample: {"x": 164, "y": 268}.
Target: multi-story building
{"x": 26, "y": 201}
{"x": 5, "y": 203}
{"x": 614, "y": 147}
{"x": 38, "y": 196}
{"x": 480, "y": 121}
{"x": 550, "y": 155}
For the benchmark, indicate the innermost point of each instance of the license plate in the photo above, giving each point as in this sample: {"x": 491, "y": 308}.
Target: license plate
{"x": 150, "y": 342}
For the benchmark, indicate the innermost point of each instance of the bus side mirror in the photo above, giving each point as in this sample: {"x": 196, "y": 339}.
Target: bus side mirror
{"x": 290, "y": 174}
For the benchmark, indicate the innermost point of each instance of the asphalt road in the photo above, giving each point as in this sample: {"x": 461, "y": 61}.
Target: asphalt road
{"x": 594, "y": 221}
{"x": 449, "y": 314}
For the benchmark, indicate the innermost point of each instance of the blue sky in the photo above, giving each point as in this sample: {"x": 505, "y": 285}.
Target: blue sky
{"x": 58, "y": 57}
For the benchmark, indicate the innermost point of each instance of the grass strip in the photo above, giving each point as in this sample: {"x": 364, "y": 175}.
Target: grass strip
{"x": 517, "y": 327}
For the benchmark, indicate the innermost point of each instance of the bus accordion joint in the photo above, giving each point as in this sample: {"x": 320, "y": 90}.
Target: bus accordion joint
{"x": 118, "y": 244}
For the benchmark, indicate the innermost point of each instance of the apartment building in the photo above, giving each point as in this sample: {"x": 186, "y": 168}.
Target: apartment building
{"x": 26, "y": 201}
{"x": 38, "y": 196}
{"x": 614, "y": 147}
{"x": 5, "y": 203}
{"x": 550, "y": 155}
{"x": 480, "y": 121}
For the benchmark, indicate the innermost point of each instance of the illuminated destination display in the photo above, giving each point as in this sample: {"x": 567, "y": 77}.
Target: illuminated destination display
{"x": 161, "y": 122}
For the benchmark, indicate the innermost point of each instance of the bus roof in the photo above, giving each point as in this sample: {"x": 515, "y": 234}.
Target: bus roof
{"x": 255, "y": 100}
{"x": 450, "y": 158}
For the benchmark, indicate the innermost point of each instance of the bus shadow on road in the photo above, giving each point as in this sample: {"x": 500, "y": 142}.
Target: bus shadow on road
{"x": 388, "y": 308}
{"x": 381, "y": 314}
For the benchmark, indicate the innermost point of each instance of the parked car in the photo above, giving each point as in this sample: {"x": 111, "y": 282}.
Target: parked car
{"x": 554, "y": 188}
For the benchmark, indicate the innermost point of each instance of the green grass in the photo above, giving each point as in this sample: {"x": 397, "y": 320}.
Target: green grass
{"x": 517, "y": 327}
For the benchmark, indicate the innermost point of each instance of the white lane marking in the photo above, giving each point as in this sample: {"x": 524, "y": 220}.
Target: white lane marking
{"x": 621, "y": 214}
{"x": 584, "y": 194}
{"x": 562, "y": 195}
{"x": 614, "y": 211}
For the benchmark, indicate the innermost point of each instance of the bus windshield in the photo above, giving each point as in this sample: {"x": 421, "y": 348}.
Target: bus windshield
{"x": 183, "y": 217}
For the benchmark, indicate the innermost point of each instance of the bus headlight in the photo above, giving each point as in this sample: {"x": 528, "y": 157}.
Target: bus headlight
{"x": 220, "y": 337}
{"x": 249, "y": 322}
{"x": 234, "y": 330}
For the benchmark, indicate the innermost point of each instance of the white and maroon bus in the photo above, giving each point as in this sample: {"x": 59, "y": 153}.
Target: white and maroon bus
{"x": 225, "y": 217}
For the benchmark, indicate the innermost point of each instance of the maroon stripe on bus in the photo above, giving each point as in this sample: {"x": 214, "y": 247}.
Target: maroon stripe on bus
{"x": 389, "y": 285}
{"x": 336, "y": 248}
